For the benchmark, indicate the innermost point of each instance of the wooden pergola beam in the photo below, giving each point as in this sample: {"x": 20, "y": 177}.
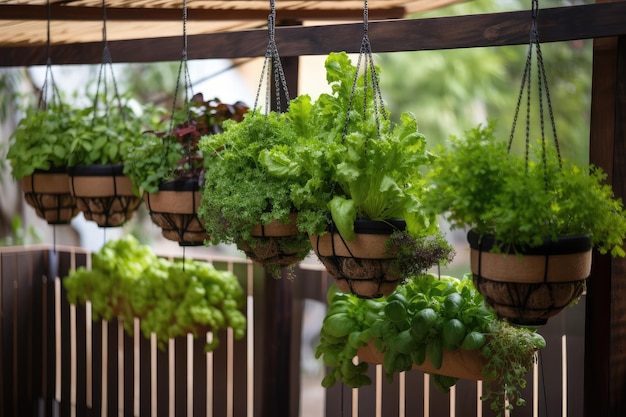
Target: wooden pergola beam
{"x": 146, "y": 14}
{"x": 496, "y": 29}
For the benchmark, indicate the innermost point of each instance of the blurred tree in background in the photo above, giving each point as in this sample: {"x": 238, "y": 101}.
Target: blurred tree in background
{"x": 450, "y": 91}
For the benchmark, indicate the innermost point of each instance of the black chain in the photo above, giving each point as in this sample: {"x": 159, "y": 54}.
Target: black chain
{"x": 272, "y": 65}
{"x": 365, "y": 54}
{"x": 542, "y": 85}
{"x": 49, "y": 77}
{"x": 106, "y": 62}
{"x": 183, "y": 68}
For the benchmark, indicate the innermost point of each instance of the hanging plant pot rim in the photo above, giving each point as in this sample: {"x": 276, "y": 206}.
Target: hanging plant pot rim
{"x": 277, "y": 228}
{"x": 47, "y": 182}
{"x": 459, "y": 363}
{"x": 51, "y": 170}
{"x": 175, "y": 201}
{"x": 182, "y": 184}
{"x": 97, "y": 170}
{"x": 562, "y": 246}
{"x": 373, "y": 227}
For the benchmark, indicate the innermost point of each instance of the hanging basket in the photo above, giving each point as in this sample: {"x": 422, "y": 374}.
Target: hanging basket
{"x": 459, "y": 363}
{"x": 104, "y": 194}
{"x": 48, "y": 192}
{"x": 174, "y": 208}
{"x": 527, "y": 286}
{"x": 362, "y": 266}
{"x": 275, "y": 244}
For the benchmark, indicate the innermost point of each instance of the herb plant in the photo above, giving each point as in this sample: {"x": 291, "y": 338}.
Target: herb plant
{"x": 42, "y": 139}
{"x": 106, "y": 137}
{"x": 162, "y": 156}
{"x": 238, "y": 193}
{"x": 477, "y": 183}
{"x": 127, "y": 280}
{"x": 419, "y": 322}
{"x": 362, "y": 167}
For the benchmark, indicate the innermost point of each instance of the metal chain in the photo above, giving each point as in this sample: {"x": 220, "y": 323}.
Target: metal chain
{"x": 106, "y": 61}
{"x": 272, "y": 65}
{"x": 542, "y": 85}
{"x": 365, "y": 54}
{"x": 183, "y": 69}
{"x": 49, "y": 77}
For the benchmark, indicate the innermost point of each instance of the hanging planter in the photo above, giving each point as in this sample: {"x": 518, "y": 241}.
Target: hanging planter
{"x": 107, "y": 132}
{"x": 534, "y": 216}
{"x": 527, "y": 286}
{"x": 241, "y": 202}
{"x": 39, "y": 149}
{"x": 48, "y": 192}
{"x": 174, "y": 209}
{"x": 435, "y": 324}
{"x": 365, "y": 167}
{"x": 364, "y": 265}
{"x": 275, "y": 244}
{"x": 167, "y": 168}
{"x": 104, "y": 194}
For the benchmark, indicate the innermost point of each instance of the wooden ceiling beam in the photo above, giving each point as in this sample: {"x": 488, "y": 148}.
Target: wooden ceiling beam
{"x": 498, "y": 29}
{"x": 70, "y": 13}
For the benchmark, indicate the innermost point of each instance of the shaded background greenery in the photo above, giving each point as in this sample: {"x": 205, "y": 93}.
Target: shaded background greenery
{"x": 451, "y": 91}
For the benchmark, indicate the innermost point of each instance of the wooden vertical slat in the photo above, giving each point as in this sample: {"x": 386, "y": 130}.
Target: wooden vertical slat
{"x": 128, "y": 400}
{"x": 136, "y": 367}
{"x": 200, "y": 376}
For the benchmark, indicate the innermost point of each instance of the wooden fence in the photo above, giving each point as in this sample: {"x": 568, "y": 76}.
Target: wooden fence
{"x": 55, "y": 361}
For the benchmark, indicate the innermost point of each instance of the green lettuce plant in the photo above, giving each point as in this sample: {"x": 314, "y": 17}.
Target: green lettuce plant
{"x": 362, "y": 167}
{"x": 171, "y": 299}
{"x": 475, "y": 182}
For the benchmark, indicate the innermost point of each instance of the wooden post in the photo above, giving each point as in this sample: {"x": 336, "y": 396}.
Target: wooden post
{"x": 280, "y": 383}
{"x": 605, "y": 331}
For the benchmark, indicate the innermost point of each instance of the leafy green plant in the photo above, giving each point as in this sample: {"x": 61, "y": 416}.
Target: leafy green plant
{"x": 106, "y": 136}
{"x": 237, "y": 193}
{"x": 477, "y": 183}
{"x": 162, "y": 156}
{"x": 419, "y": 322}
{"x": 42, "y": 139}
{"x": 349, "y": 161}
{"x": 127, "y": 280}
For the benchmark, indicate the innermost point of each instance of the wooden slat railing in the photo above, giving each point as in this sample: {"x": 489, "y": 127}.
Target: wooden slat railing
{"x": 54, "y": 361}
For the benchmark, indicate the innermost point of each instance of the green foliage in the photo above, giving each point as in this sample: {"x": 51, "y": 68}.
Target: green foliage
{"x": 127, "y": 280}
{"x": 450, "y": 90}
{"x": 505, "y": 346}
{"x": 354, "y": 173}
{"x": 106, "y": 136}
{"x": 237, "y": 192}
{"x": 420, "y": 321}
{"x": 477, "y": 183}
{"x": 42, "y": 139}
{"x": 163, "y": 156}
{"x": 20, "y": 235}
